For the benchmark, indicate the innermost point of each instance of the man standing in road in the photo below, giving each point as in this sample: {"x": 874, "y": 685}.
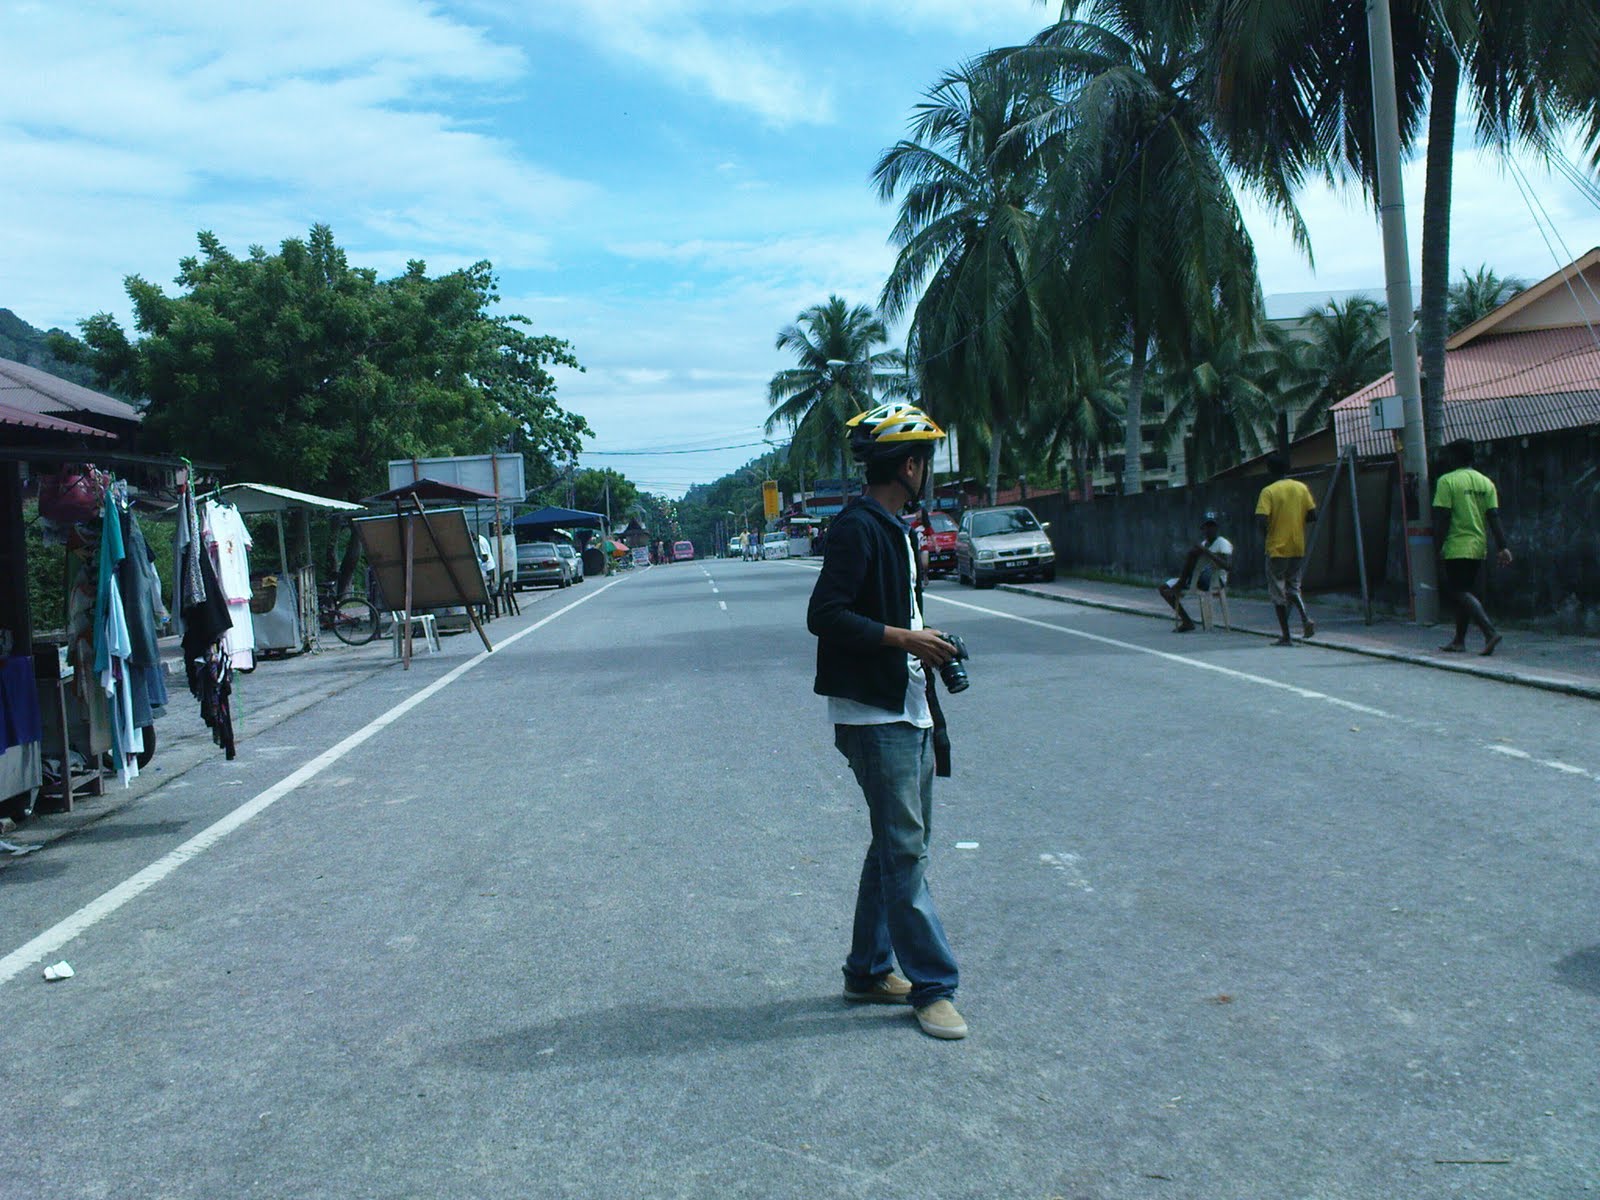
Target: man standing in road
{"x": 871, "y": 652}
{"x": 1205, "y": 565}
{"x": 1283, "y": 511}
{"x": 1464, "y": 502}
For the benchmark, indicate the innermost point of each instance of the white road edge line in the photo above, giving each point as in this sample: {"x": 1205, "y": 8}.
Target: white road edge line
{"x": 50, "y": 942}
{"x": 1305, "y": 693}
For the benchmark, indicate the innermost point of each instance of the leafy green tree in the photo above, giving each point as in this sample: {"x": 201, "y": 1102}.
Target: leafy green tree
{"x": 1477, "y": 295}
{"x": 838, "y": 375}
{"x": 966, "y": 230}
{"x": 605, "y": 490}
{"x": 297, "y": 368}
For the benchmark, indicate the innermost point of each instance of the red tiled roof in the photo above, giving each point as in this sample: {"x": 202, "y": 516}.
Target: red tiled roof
{"x": 1498, "y": 386}
{"x": 21, "y": 418}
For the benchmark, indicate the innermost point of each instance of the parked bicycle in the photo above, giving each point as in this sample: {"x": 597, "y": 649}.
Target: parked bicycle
{"x": 353, "y": 619}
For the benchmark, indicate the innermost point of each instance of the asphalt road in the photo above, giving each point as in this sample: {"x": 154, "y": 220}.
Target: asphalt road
{"x": 1233, "y": 921}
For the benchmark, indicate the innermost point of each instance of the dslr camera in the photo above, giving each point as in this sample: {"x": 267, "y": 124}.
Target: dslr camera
{"x": 953, "y": 673}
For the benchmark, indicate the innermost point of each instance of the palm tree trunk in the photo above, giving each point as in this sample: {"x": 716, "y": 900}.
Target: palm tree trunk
{"x": 1085, "y": 482}
{"x": 1133, "y": 459}
{"x": 994, "y": 466}
{"x": 1436, "y": 239}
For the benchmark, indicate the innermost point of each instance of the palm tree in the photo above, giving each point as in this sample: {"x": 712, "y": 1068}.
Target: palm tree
{"x": 966, "y": 228}
{"x": 1079, "y": 418}
{"x": 1152, "y": 242}
{"x": 837, "y": 376}
{"x": 1340, "y": 348}
{"x": 1293, "y": 81}
{"x": 1477, "y": 296}
{"x": 1215, "y": 401}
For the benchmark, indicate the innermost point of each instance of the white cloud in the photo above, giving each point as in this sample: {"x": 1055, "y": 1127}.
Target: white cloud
{"x": 141, "y": 120}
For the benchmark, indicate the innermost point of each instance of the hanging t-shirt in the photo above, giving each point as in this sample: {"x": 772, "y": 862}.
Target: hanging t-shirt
{"x": 229, "y": 545}
{"x": 231, "y": 548}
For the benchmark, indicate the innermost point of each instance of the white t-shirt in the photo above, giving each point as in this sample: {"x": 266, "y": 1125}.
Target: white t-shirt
{"x": 227, "y": 533}
{"x": 916, "y": 711}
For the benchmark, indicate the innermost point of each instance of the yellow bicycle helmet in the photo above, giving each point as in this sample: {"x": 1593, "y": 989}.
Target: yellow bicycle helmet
{"x": 891, "y": 429}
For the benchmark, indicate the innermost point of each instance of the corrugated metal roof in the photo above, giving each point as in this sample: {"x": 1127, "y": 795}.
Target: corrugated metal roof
{"x": 36, "y": 391}
{"x": 1497, "y": 386}
{"x": 23, "y": 419}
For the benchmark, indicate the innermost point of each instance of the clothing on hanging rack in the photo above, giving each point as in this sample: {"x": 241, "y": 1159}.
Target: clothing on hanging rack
{"x": 228, "y": 543}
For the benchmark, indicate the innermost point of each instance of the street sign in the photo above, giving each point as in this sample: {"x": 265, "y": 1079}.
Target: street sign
{"x": 769, "y": 498}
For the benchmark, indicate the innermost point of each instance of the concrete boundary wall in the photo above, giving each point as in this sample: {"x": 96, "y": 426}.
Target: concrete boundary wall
{"x": 1552, "y": 519}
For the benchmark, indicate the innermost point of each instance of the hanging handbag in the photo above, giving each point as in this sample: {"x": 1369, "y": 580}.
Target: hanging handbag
{"x": 76, "y": 494}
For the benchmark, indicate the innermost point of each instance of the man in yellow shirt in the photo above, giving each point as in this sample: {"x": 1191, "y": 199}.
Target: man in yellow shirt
{"x": 1465, "y": 502}
{"x": 1283, "y": 511}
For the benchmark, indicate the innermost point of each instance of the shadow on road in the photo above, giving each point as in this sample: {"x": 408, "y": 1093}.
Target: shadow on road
{"x": 1581, "y": 970}
{"x": 660, "y": 1030}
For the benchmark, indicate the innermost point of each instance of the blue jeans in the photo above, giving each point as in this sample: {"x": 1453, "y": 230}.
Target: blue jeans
{"x": 895, "y": 918}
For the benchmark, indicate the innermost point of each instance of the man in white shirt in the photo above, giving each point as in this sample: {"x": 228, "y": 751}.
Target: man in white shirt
{"x": 1206, "y": 565}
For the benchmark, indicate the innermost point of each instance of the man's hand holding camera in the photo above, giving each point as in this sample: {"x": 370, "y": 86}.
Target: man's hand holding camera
{"x": 927, "y": 644}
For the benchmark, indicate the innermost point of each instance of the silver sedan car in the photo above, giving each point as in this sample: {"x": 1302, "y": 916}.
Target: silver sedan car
{"x": 541, "y": 563}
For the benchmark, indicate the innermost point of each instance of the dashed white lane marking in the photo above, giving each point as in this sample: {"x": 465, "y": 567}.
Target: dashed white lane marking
{"x": 723, "y": 605}
{"x": 1555, "y": 764}
{"x": 1306, "y": 693}
{"x": 966, "y": 845}
{"x": 1197, "y": 664}
{"x": 48, "y": 943}
{"x": 715, "y": 590}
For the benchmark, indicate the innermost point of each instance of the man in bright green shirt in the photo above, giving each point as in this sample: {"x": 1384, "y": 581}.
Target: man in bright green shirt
{"x": 1465, "y": 506}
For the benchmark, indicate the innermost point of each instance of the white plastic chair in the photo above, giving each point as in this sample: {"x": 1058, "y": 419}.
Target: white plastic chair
{"x": 1217, "y": 593}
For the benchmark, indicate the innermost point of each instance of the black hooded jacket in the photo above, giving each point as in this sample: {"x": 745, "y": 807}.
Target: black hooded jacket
{"x": 865, "y": 585}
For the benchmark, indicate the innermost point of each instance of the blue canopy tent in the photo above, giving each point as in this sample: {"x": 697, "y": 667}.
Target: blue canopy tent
{"x": 551, "y": 517}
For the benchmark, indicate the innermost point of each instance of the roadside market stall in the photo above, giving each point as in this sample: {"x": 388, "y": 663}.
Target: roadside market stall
{"x": 85, "y": 693}
{"x": 283, "y": 605}
{"x": 550, "y": 520}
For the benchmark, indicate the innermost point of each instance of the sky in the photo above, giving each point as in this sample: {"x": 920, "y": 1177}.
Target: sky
{"x": 664, "y": 183}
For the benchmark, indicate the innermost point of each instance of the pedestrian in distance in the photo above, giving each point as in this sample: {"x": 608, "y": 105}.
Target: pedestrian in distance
{"x": 1206, "y": 565}
{"x": 1283, "y": 510}
{"x": 872, "y": 651}
{"x": 1465, "y": 506}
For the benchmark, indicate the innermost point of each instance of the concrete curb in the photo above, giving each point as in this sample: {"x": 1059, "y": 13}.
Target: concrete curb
{"x": 1545, "y": 683}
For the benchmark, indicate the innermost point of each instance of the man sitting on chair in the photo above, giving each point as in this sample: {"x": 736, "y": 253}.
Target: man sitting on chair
{"x": 1212, "y": 556}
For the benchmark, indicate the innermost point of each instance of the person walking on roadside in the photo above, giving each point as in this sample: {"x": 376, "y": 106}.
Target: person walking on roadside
{"x": 1464, "y": 503}
{"x": 1283, "y": 510}
{"x": 872, "y": 648}
{"x": 1206, "y": 564}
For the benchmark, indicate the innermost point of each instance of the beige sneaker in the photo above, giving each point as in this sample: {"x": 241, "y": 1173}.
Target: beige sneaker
{"x": 941, "y": 1020}
{"x": 891, "y": 989}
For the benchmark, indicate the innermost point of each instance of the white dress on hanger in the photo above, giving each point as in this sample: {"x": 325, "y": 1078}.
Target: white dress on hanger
{"x": 228, "y": 541}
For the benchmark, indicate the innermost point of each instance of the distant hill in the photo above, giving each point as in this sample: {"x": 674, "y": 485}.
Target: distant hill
{"x": 21, "y": 342}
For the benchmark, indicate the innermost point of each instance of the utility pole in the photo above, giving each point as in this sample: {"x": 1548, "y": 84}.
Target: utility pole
{"x": 1402, "y": 327}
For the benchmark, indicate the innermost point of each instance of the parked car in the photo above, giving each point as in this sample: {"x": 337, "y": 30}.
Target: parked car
{"x": 541, "y": 562}
{"x": 775, "y": 545}
{"x": 1002, "y": 543}
{"x": 734, "y": 548}
{"x": 682, "y": 551}
{"x": 938, "y": 536}
{"x": 574, "y": 561}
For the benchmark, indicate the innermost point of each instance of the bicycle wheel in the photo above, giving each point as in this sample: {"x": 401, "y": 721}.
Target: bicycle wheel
{"x": 355, "y": 621}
